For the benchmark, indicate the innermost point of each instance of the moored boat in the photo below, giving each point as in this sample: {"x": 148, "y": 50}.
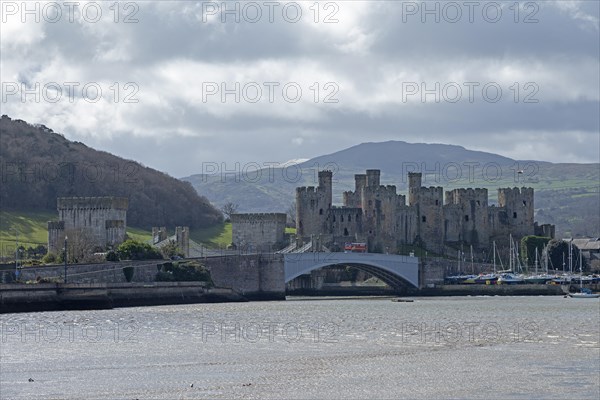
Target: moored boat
{"x": 584, "y": 293}
{"x": 486, "y": 279}
{"x": 509, "y": 279}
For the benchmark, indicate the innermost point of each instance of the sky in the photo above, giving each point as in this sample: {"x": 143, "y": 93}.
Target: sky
{"x": 177, "y": 85}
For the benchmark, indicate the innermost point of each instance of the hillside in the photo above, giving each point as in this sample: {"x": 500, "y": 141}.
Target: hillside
{"x": 39, "y": 165}
{"x": 566, "y": 194}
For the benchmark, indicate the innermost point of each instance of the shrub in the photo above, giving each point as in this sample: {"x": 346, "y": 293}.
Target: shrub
{"x": 134, "y": 250}
{"x": 112, "y": 256}
{"x": 184, "y": 272}
{"x": 128, "y": 272}
{"x": 49, "y": 258}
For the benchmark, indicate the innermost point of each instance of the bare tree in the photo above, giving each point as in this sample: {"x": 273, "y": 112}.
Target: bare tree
{"x": 291, "y": 215}
{"x": 228, "y": 209}
{"x": 80, "y": 245}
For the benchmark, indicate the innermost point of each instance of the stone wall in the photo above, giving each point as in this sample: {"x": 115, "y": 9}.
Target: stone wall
{"x": 251, "y": 275}
{"x": 261, "y": 232}
{"x": 254, "y": 276}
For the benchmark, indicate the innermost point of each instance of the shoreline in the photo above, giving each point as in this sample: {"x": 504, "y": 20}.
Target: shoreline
{"x": 21, "y": 298}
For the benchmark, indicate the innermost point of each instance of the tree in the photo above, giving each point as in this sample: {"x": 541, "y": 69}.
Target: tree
{"x": 291, "y": 215}
{"x": 228, "y": 209}
{"x": 171, "y": 250}
{"x": 558, "y": 250}
{"x": 529, "y": 244}
{"x": 80, "y": 245}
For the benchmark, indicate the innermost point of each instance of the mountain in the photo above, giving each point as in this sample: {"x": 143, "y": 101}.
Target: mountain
{"x": 565, "y": 194}
{"x": 39, "y": 165}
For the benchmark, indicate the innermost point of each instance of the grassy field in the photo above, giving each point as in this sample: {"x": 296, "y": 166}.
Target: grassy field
{"x": 139, "y": 234}
{"x": 218, "y": 236}
{"x": 32, "y": 227}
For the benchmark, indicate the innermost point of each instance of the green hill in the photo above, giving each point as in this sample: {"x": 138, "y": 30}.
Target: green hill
{"x": 39, "y": 165}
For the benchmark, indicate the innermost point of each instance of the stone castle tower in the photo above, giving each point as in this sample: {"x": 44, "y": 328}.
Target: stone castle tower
{"x": 259, "y": 231}
{"x": 100, "y": 222}
{"x": 313, "y": 205}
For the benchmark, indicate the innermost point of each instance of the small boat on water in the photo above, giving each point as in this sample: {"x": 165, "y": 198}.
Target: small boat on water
{"x": 584, "y": 293}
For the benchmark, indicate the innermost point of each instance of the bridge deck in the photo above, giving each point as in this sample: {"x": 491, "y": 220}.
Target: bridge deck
{"x": 394, "y": 269}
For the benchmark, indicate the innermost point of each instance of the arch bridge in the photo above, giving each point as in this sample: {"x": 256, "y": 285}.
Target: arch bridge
{"x": 395, "y": 270}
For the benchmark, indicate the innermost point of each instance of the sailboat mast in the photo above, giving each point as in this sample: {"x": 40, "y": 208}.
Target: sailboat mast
{"x": 494, "y": 254}
{"x": 571, "y": 256}
{"x": 472, "y": 266}
{"x": 510, "y": 255}
{"x": 580, "y": 272}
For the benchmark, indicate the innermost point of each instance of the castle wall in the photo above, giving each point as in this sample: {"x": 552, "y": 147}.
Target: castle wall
{"x": 430, "y": 216}
{"x": 353, "y": 199}
{"x": 56, "y": 236}
{"x": 379, "y": 206}
{"x": 261, "y": 231}
{"x": 182, "y": 238}
{"x": 514, "y": 214}
{"x": 408, "y": 225}
{"x": 346, "y": 224}
{"x": 115, "y": 232}
{"x": 159, "y": 234}
{"x": 466, "y": 217}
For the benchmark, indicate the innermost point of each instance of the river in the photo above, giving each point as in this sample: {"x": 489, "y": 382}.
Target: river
{"x": 306, "y": 348}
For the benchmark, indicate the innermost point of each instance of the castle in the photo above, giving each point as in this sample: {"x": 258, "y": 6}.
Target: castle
{"x": 100, "y": 222}
{"x": 377, "y": 215}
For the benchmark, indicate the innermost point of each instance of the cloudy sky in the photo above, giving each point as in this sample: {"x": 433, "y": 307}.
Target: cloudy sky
{"x": 187, "y": 82}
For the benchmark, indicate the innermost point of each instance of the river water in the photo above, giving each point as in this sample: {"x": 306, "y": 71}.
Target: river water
{"x": 460, "y": 347}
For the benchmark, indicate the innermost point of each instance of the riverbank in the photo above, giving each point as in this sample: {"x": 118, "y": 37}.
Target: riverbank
{"x": 440, "y": 290}
{"x": 16, "y": 298}
{"x": 80, "y": 296}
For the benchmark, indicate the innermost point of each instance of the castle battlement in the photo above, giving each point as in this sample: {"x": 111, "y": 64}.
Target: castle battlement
{"x": 259, "y": 218}
{"x": 60, "y": 225}
{"x": 118, "y": 203}
{"x": 464, "y": 196}
{"x": 308, "y": 189}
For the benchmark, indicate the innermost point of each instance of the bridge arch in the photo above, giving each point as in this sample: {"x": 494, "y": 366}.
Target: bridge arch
{"x": 396, "y": 271}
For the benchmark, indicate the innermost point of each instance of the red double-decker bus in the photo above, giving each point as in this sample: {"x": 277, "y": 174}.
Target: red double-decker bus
{"x": 355, "y": 248}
